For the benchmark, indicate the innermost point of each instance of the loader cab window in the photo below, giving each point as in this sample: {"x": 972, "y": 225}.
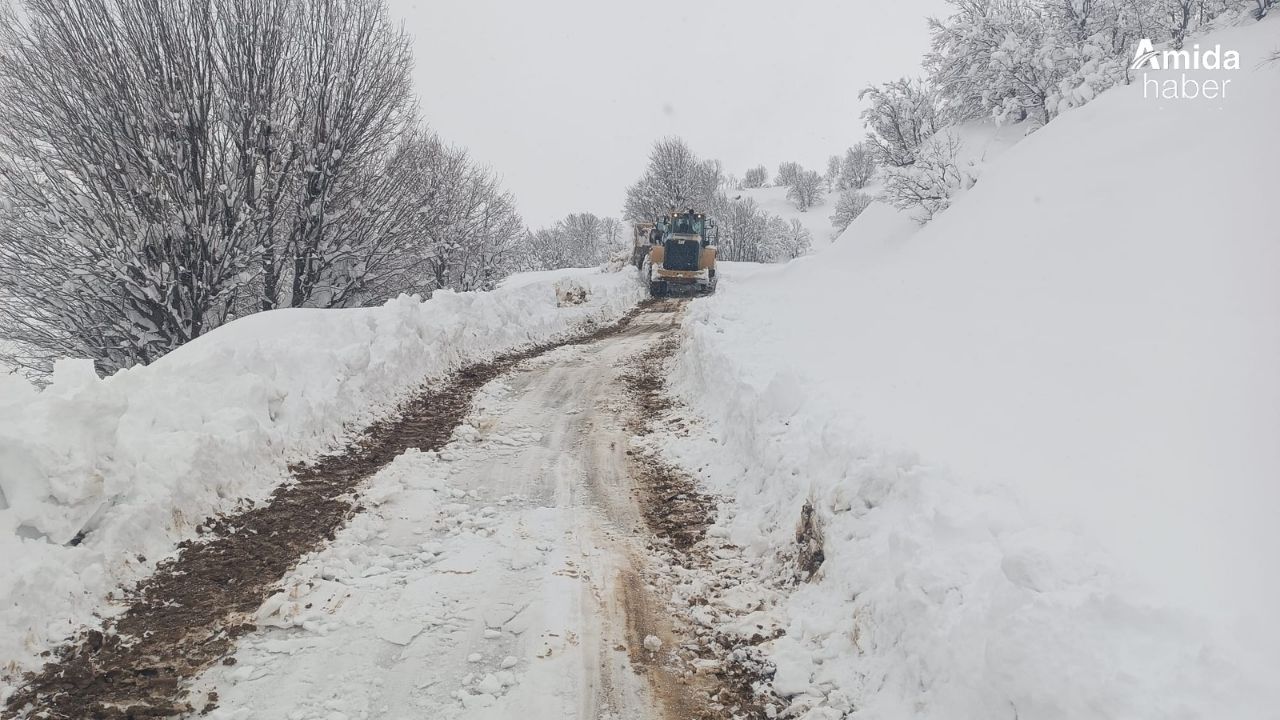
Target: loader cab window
{"x": 687, "y": 225}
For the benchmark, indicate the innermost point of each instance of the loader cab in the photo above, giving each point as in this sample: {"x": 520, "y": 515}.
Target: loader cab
{"x": 689, "y": 223}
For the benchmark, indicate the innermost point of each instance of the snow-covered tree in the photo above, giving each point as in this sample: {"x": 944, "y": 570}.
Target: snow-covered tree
{"x": 993, "y": 57}
{"x": 674, "y": 179}
{"x": 1034, "y": 59}
{"x": 806, "y": 190}
{"x": 1179, "y": 19}
{"x": 745, "y": 232}
{"x": 611, "y": 235}
{"x": 856, "y": 168}
{"x": 849, "y": 206}
{"x": 584, "y": 232}
{"x": 476, "y": 236}
{"x": 902, "y": 114}
{"x": 787, "y": 173}
{"x": 749, "y": 234}
{"x": 756, "y": 177}
{"x": 832, "y": 176}
{"x": 256, "y": 61}
{"x": 169, "y": 165}
{"x": 1026, "y": 59}
{"x": 127, "y": 235}
{"x": 1014, "y": 60}
{"x": 928, "y": 184}
{"x": 548, "y": 251}
{"x": 578, "y": 240}
{"x": 794, "y": 240}
{"x": 353, "y": 86}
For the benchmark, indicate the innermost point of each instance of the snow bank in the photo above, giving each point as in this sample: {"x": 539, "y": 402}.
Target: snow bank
{"x": 1040, "y": 433}
{"x": 133, "y": 461}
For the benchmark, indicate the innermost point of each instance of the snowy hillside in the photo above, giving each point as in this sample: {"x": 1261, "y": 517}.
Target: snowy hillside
{"x": 1039, "y": 433}
{"x": 99, "y": 478}
{"x": 980, "y": 142}
{"x": 817, "y": 220}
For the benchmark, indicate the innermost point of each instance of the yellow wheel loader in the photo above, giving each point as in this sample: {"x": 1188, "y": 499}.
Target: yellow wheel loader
{"x": 682, "y": 255}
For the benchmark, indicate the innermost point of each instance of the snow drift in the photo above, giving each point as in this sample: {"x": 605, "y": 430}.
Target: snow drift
{"x": 1039, "y": 433}
{"x": 99, "y": 478}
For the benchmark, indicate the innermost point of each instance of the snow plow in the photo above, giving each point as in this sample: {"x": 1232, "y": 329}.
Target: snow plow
{"x": 681, "y": 256}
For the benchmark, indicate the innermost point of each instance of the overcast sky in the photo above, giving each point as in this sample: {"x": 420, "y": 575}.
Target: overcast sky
{"x": 563, "y": 98}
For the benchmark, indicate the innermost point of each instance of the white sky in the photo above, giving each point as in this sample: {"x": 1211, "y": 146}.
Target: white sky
{"x": 563, "y": 98}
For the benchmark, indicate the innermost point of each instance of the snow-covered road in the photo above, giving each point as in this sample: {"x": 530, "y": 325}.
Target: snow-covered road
{"x": 498, "y": 578}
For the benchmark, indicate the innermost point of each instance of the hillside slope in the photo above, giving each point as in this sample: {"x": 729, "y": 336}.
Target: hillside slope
{"x": 817, "y": 220}
{"x": 1039, "y": 433}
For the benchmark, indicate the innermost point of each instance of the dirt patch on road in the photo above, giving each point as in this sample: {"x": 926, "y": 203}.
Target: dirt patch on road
{"x": 697, "y": 673}
{"x": 669, "y": 500}
{"x": 189, "y": 613}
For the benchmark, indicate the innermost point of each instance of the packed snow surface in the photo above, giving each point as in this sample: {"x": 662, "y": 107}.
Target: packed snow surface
{"x": 1039, "y": 433}
{"x": 99, "y": 478}
{"x": 485, "y": 580}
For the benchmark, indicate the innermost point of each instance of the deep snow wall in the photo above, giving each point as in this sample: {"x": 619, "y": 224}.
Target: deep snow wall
{"x": 1040, "y": 432}
{"x": 132, "y": 462}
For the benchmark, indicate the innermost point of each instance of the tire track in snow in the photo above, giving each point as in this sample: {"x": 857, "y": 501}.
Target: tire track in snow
{"x": 531, "y": 595}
